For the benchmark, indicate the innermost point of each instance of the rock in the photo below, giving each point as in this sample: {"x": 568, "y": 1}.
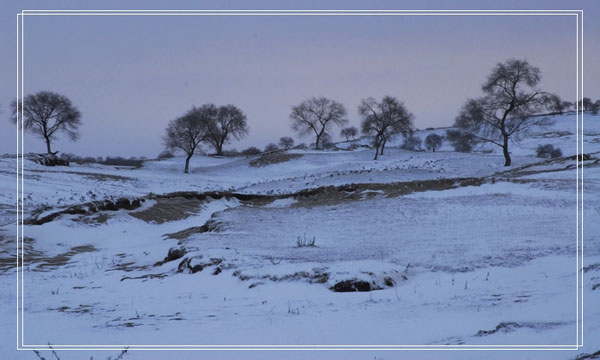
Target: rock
{"x": 136, "y": 203}
{"x": 184, "y": 265}
{"x": 351, "y": 285}
{"x": 109, "y": 205}
{"x": 174, "y": 254}
{"x": 253, "y": 285}
{"x": 196, "y": 268}
{"x": 123, "y": 203}
{"x": 388, "y": 281}
{"x": 75, "y": 210}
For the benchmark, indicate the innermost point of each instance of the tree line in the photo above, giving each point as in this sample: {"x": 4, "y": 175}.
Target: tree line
{"x": 510, "y": 107}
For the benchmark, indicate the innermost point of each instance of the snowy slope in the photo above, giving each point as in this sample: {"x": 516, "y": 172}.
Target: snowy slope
{"x": 488, "y": 261}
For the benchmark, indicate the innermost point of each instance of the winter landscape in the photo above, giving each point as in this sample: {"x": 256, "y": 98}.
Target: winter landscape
{"x": 247, "y": 253}
{"x": 365, "y": 221}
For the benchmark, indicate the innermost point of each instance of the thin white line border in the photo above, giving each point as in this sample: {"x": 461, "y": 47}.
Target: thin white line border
{"x": 270, "y": 12}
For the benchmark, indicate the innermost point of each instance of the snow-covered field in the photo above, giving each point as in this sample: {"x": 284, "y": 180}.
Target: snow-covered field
{"x": 454, "y": 248}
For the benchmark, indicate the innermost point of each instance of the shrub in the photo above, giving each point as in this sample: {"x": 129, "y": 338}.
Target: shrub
{"x": 327, "y": 141}
{"x": 461, "y": 141}
{"x": 166, "y": 154}
{"x": 301, "y": 146}
{"x": 286, "y": 142}
{"x": 121, "y": 161}
{"x": 349, "y": 132}
{"x": 412, "y": 143}
{"x": 304, "y": 242}
{"x": 433, "y": 142}
{"x": 116, "y": 161}
{"x": 548, "y": 151}
{"x": 271, "y": 147}
{"x": 252, "y": 150}
{"x": 231, "y": 152}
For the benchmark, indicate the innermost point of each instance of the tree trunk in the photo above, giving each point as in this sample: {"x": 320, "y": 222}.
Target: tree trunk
{"x": 48, "y": 145}
{"x": 377, "y": 142}
{"x": 219, "y": 149}
{"x": 383, "y": 145}
{"x": 187, "y": 163}
{"x": 505, "y": 151}
{"x": 317, "y": 142}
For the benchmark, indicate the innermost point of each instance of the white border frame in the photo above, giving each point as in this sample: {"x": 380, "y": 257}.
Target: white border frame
{"x": 579, "y": 171}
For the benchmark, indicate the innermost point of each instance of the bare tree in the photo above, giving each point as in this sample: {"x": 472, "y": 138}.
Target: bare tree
{"x": 586, "y": 104}
{"x": 556, "y": 105}
{"x": 228, "y": 122}
{"x": 46, "y": 114}
{"x": 383, "y": 120}
{"x": 188, "y": 131}
{"x": 433, "y": 142}
{"x": 316, "y": 116}
{"x": 511, "y": 106}
{"x": 271, "y": 147}
{"x": 349, "y": 132}
{"x": 412, "y": 143}
{"x": 252, "y": 150}
{"x": 286, "y": 142}
{"x": 461, "y": 141}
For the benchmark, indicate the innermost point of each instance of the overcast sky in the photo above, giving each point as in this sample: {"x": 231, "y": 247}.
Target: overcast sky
{"x": 130, "y": 75}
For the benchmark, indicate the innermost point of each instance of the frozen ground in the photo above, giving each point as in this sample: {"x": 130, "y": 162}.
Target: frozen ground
{"x": 455, "y": 248}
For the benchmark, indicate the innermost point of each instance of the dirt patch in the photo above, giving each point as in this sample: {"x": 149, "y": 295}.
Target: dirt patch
{"x": 44, "y": 262}
{"x": 31, "y": 256}
{"x": 330, "y": 195}
{"x": 52, "y": 262}
{"x": 195, "y": 264}
{"x": 209, "y": 226}
{"x": 145, "y": 277}
{"x": 81, "y": 309}
{"x": 169, "y": 209}
{"x": 180, "y": 205}
{"x": 510, "y": 326}
{"x": 273, "y": 158}
{"x": 43, "y": 215}
{"x": 97, "y": 220}
{"x": 569, "y": 163}
{"x": 317, "y": 276}
{"x": 352, "y": 285}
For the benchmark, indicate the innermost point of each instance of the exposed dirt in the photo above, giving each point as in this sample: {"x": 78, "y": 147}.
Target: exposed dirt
{"x": 317, "y": 276}
{"x": 569, "y": 163}
{"x": 328, "y": 195}
{"x": 42, "y": 215}
{"x": 510, "y": 326}
{"x": 180, "y": 205}
{"x": 93, "y": 220}
{"x": 43, "y": 262}
{"x": 209, "y": 226}
{"x": 273, "y": 158}
{"x": 169, "y": 209}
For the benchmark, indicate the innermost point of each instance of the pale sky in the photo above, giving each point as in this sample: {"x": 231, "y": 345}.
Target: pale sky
{"x": 129, "y": 76}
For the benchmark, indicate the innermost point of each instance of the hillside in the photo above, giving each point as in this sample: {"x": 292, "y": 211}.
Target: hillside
{"x": 442, "y": 248}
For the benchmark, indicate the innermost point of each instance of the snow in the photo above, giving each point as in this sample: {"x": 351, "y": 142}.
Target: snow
{"x": 486, "y": 264}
